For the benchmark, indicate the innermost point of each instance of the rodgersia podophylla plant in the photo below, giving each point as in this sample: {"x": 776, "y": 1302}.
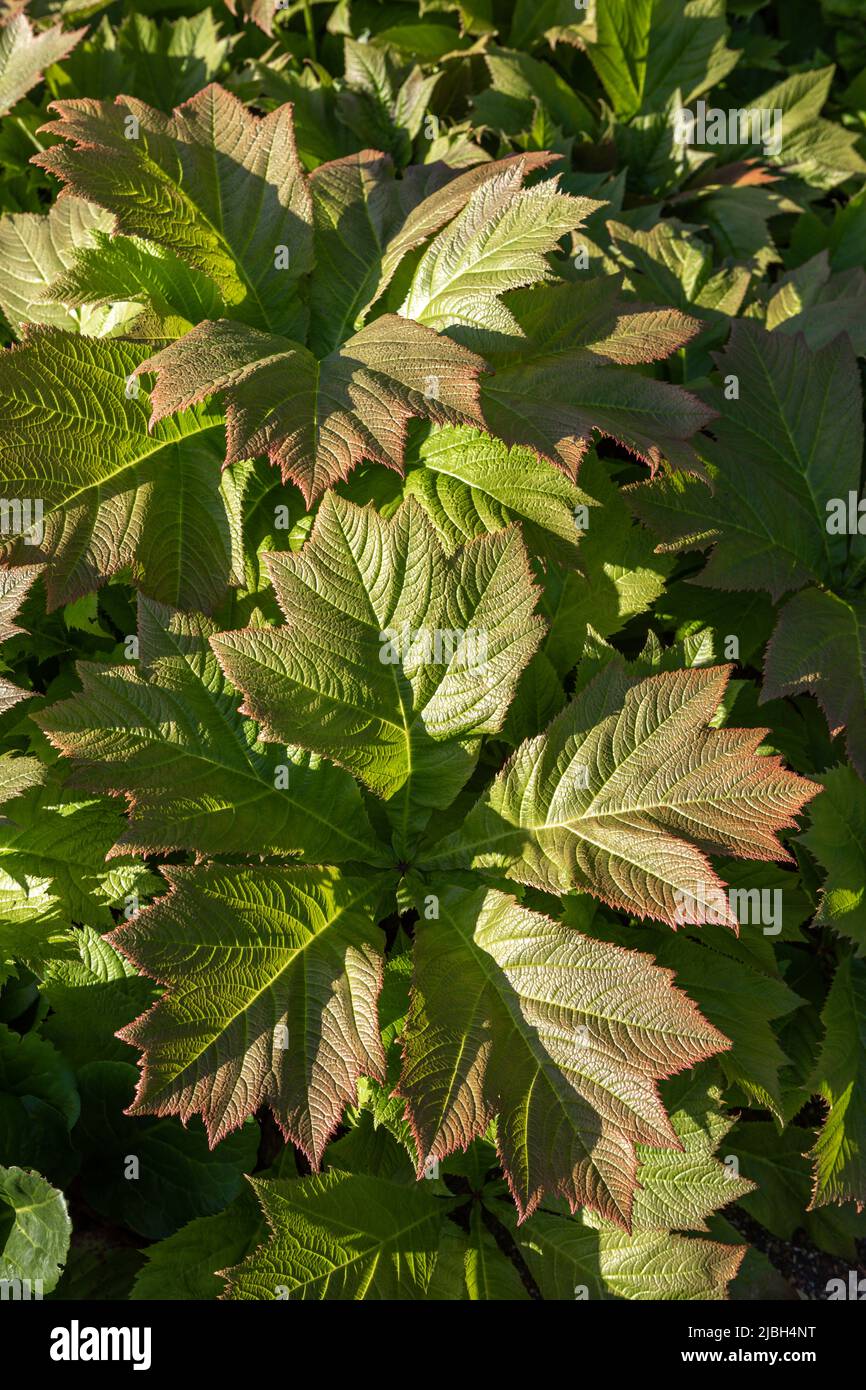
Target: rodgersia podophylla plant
{"x": 433, "y": 690}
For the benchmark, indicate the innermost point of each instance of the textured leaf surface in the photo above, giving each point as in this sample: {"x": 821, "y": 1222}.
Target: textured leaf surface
{"x": 316, "y": 420}
{"x": 560, "y": 375}
{"x": 498, "y": 242}
{"x": 819, "y": 646}
{"x": 471, "y": 484}
{"x": 837, "y": 837}
{"x": 839, "y": 1156}
{"x": 775, "y": 461}
{"x": 14, "y": 587}
{"x": 563, "y": 1036}
{"x": 24, "y": 56}
{"x": 35, "y": 250}
{"x": 114, "y": 494}
{"x": 36, "y": 1241}
{"x": 194, "y": 772}
{"x": 274, "y": 975}
{"x": 619, "y": 793}
{"x": 217, "y": 185}
{"x": 678, "y": 1190}
{"x": 342, "y": 1236}
{"x": 326, "y": 679}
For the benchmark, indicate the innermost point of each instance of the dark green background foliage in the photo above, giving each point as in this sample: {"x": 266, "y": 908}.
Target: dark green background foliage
{"x": 328, "y": 975}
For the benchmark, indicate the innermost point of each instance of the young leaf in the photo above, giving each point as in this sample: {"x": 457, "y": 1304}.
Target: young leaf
{"x": 499, "y": 242}
{"x": 563, "y": 1036}
{"x": 273, "y": 978}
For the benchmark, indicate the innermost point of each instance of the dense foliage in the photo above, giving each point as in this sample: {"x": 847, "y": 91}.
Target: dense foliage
{"x": 433, "y": 687}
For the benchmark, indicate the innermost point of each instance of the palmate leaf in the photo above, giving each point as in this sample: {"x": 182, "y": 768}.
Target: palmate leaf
{"x": 220, "y": 187}
{"x": 317, "y": 419}
{"x": 775, "y": 464}
{"x": 603, "y": 801}
{"x": 24, "y": 56}
{"x": 357, "y": 675}
{"x": 563, "y": 1036}
{"x": 194, "y": 772}
{"x": 273, "y": 977}
{"x": 342, "y": 1236}
{"x": 114, "y": 494}
{"x": 677, "y": 1191}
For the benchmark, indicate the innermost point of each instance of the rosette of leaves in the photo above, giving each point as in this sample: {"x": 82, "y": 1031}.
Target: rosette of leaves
{"x": 322, "y": 312}
{"x": 339, "y": 768}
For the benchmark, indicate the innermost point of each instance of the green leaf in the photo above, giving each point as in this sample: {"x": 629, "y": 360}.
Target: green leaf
{"x": 572, "y": 1259}
{"x": 837, "y": 838}
{"x": 619, "y": 793}
{"x": 780, "y": 1173}
{"x": 194, "y": 772}
{"x": 819, "y": 646}
{"x": 176, "y": 1177}
{"x": 25, "y": 54}
{"x": 840, "y": 1076}
{"x": 35, "y": 250}
{"x": 183, "y": 1266}
{"x": 342, "y": 1236}
{"x": 357, "y": 675}
{"x": 646, "y": 51}
{"x": 220, "y": 187}
{"x": 471, "y": 484}
{"x": 34, "y": 1230}
{"x": 274, "y": 974}
{"x": 555, "y": 381}
{"x": 775, "y": 466}
{"x": 114, "y": 493}
{"x": 679, "y": 1190}
{"x": 563, "y": 1036}
{"x": 90, "y": 999}
{"x": 498, "y": 243}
